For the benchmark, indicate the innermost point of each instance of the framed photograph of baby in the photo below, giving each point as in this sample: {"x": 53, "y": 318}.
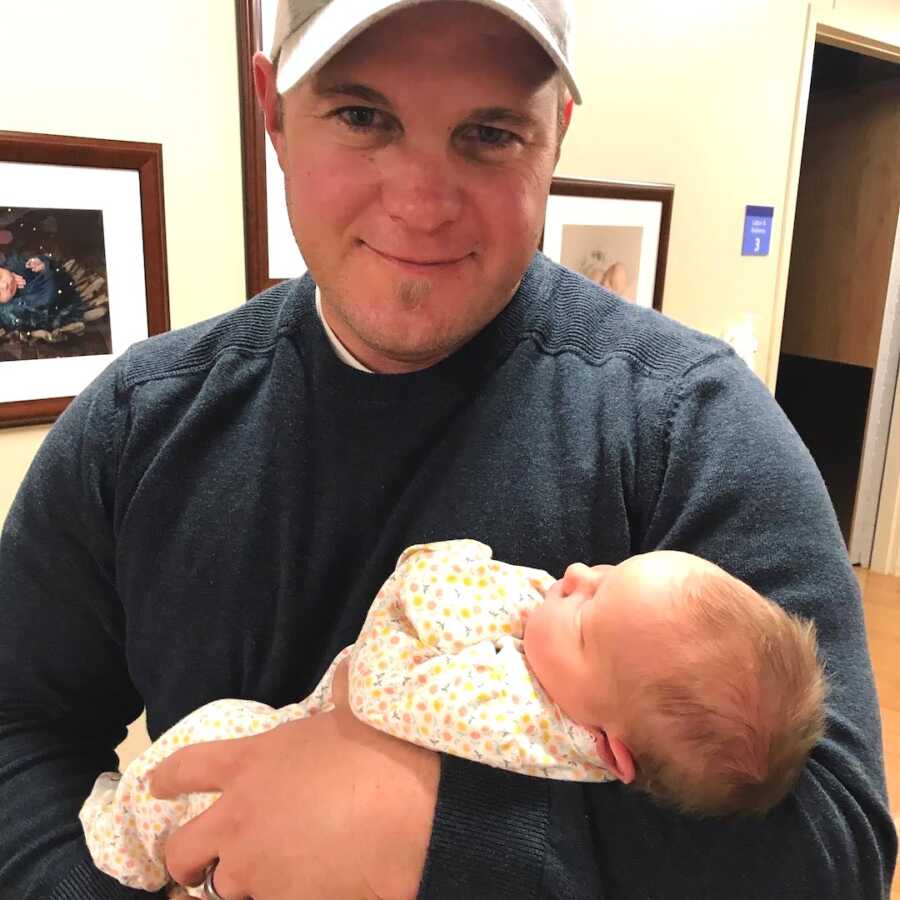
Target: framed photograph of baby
{"x": 82, "y": 264}
{"x": 615, "y": 233}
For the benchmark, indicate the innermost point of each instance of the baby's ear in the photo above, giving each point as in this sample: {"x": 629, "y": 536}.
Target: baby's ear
{"x": 614, "y": 755}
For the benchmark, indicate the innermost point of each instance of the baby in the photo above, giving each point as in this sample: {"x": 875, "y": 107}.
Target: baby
{"x": 36, "y": 294}
{"x": 10, "y": 283}
{"x": 663, "y": 672}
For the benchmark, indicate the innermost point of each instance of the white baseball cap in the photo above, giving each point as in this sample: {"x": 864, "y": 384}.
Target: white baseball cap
{"x": 309, "y": 32}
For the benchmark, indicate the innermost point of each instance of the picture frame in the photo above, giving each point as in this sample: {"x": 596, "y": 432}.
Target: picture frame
{"x": 616, "y": 233}
{"x": 88, "y": 215}
{"x": 271, "y": 253}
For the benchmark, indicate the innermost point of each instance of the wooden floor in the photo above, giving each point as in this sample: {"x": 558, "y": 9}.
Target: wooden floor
{"x": 881, "y": 598}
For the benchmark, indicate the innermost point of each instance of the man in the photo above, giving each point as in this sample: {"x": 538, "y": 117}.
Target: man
{"x": 235, "y": 493}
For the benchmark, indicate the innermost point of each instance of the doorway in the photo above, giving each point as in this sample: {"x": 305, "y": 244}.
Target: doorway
{"x": 838, "y": 363}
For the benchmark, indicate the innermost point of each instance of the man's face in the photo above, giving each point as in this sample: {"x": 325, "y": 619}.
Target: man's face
{"x": 417, "y": 164}
{"x": 8, "y": 285}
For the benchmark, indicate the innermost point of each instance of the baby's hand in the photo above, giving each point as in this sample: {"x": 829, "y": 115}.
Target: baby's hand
{"x": 20, "y": 281}
{"x": 35, "y": 264}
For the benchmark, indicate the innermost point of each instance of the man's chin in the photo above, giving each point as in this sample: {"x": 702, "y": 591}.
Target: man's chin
{"x": 388, "y": 355}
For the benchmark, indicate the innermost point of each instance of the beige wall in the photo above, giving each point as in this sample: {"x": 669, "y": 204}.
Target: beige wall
{"x": 702, "y": 94}
{"x": 166, "y": 73}
{"x": 879, "y": 18}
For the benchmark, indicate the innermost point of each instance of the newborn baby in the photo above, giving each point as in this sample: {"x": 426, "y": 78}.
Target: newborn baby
{"x": 36, "y": 294}
{"x": 664, "y": 672}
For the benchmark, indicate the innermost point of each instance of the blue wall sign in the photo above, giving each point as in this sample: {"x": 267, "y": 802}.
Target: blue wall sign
{"x": 758, "y": 230}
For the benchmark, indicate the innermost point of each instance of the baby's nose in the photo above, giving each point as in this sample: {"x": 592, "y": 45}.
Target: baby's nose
{"x": 575, "y": 578}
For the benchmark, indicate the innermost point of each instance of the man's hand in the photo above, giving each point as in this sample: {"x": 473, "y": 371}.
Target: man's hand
{"x": 35, "y": 264}
{"x": 19, "y": 280}
{"x": 319, "y": 807}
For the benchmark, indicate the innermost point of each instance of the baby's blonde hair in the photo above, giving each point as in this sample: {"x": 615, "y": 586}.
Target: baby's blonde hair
{"x": 728, "y": 726}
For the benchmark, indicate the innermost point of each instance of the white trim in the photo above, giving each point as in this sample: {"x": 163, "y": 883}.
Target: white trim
{"x": 886, "y": 542}
{"x": 878, "y": 421}
{"x": 790, "y": 197}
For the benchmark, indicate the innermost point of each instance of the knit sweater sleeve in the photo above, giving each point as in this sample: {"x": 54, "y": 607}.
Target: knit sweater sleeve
{"x": 65, "y": 693}
{"x": 729, "y": 480}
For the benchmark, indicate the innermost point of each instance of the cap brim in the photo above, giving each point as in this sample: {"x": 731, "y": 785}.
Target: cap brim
{"x": 336, "y": 25}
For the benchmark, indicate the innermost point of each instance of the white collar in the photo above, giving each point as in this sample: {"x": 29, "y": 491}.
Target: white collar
{"x": 342, "y": 352}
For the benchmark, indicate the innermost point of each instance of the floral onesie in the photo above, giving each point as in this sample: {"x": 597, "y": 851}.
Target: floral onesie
{"x": 438, "y": 662}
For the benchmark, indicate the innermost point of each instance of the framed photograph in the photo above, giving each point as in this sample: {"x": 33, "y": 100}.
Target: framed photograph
{"x": 616, "y": 234}
{"x": 271, "y": 251}
{"x": 82, "y": 264}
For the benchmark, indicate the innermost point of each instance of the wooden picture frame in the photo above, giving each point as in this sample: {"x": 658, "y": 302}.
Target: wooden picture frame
{"x": 271, "y": 252}
{"x": 614, "y": 232}
{"x": 253, "y": 148}
{"x": 52, "y": 178}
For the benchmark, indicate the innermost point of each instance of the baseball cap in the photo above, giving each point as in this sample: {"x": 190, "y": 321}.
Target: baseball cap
{"x": 309, "y": 32}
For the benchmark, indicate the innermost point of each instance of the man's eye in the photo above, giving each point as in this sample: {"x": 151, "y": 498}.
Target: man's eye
{"x": 492, "y": 135}
{"x": 358, "y": 118}
{"x": 489, "y": 137}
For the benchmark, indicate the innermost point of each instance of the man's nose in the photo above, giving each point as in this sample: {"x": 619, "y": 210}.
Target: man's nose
{"x": 420, "y": 190}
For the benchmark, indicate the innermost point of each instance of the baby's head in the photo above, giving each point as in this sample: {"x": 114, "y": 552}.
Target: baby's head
{"x": 698, "y": 689}
{"x": 9, "y": 284}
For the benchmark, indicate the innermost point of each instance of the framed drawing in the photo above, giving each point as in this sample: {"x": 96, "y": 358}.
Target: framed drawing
{"x": 616, "y": 234}
{"x": 270, "y": 250}
{"x": 82, "y": 264}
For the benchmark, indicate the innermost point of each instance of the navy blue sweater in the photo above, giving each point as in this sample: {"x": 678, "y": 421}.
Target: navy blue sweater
{"x": 212, "y": 517}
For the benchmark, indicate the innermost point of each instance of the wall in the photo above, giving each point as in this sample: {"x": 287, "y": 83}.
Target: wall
{"x": 878, "y": 18}
{"x": 164, "y": 72}
{"x": 702, "y": 95}
{"x": 705, "y": 95}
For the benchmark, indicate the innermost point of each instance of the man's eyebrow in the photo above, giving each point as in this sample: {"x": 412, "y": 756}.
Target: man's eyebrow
{"x": 498, "y": 114}
{"x": 504, "y": 116}
{"x": 351, "y": 89}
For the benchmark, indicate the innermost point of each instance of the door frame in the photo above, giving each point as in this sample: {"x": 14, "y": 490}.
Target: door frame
{"x": 886, "y": 546}
{"x": 879, "y": 417}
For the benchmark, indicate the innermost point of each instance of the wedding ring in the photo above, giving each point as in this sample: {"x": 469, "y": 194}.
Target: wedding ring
{"x": 209, "y": 889}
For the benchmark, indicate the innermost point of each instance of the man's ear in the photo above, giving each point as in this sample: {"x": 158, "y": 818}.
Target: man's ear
{"x": 567, "y": 114}
{"x": 566, "y": 122}
{"x": 615, "y": 756}
{"x": 264, "y": 82}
